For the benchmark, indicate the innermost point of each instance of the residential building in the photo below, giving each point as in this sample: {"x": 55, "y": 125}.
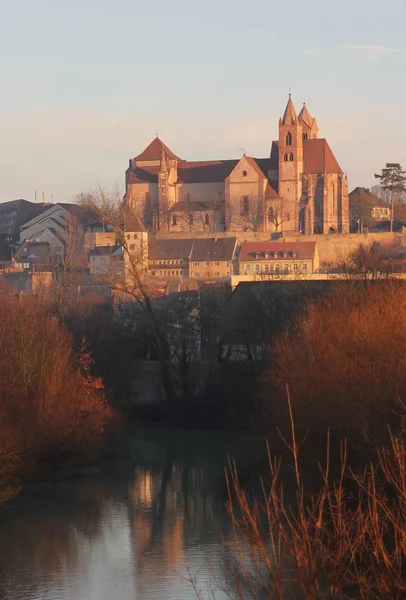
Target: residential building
{"x": 381, "y": 212}
{"x": 170, "y": 258}
{"x": 298, "y": 188}
{"x": 62, "y": 226}
{"x": 107, "y": 261}
{"x": 212, "y": 258}
{"x": 278, "y": 258}
{"x": 13, "y": 215}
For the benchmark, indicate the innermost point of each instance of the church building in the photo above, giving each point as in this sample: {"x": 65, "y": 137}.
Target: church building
{"x": 299, "y": 189}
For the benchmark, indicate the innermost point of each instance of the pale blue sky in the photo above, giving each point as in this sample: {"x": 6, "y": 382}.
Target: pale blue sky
{"x": 86, "y": 84}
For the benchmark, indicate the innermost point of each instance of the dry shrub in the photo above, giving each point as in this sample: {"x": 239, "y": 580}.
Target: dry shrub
{"x": 48, "y": 401}
{"x": 326, "y": 544}
{"x": 345, "y": 360}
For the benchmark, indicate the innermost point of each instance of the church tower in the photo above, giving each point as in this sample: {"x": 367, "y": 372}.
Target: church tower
{"x": 291, "y": 157}
{"x": 308, "y": 123}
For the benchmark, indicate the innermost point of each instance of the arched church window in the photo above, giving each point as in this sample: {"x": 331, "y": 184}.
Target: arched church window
{"x": 245, "y": 204}
{"x": 331, "y": 198}
{"x": 174, "y": 220}
{"x": 285, "y": 158}
{"x": 206, "y": 219}
{"x": 291, "y": 156}
{"x": 289, "y": 139}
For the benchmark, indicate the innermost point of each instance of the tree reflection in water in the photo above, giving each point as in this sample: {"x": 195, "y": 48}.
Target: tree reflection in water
{"x": 133, "y": 531}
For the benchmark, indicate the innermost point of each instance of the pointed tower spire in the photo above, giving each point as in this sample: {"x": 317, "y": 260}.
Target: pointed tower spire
{"x": 305, "y": 116}
{"x": 289, "y": 116}
{"x": 309, "y": 123}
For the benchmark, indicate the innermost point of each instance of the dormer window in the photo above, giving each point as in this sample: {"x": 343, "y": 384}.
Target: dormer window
{"x": 289, "y": 139}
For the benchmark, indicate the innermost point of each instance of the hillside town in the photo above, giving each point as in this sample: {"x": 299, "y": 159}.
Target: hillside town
{"x": 286, "y": 216}
{"x": 202, "y": 300}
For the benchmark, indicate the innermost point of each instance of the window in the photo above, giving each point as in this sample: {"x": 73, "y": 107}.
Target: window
{"x": 244, "y": 173}
{"x": 287, "y": 268}
{"x": 227, "y": 263}
{"x": 217, "y": 264}
{"x": 304, "y": 267}
{"x": 207, "y": 264}
{"x": 190, "y": 219}
{"x": 266, "y": 268}
{"x": 128, "y": 236}
{"x": 132, "y": 246}
{"x": 245, "y": 204}
{"x": 305, "y": 136}
{"x": 206, "y": 219}
{"x": 217, "y": 274}
{"x": 195, "y": 264}
{"x": 257, "y": 268}
{"x": 277, "y": 268}
{"x": 291, "y": 156}
{"x": 174, "y": 220}
{"x": 196, "y": 274}
{"x": 285, "y": 157}
{"x": 295, "y": 267}
{"x": 289, "y": 139}
{"x": 247, "y": 268}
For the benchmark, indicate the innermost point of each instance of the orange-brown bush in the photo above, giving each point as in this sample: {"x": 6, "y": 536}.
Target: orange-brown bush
{"x": 323, "y": 544}
{"x": 345, "y": 361}
{"x": 48, "y": 401}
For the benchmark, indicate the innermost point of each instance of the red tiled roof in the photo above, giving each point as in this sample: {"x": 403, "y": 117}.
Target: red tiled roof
{"x": 303, "y": 250}
{"x": 362, "y": 191}
{"x": 270, "y": 191}
{"x": 213, "y": 249}
{"x": 319, "y": 158}
{"x": 146, "y": 174}
{"x": 154, "y": 151}
{"x": 206, "y": 171}
{"x": 175, "y": 248}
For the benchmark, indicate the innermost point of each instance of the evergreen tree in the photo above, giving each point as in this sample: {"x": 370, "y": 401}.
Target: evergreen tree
{"x": 393, "y": 180}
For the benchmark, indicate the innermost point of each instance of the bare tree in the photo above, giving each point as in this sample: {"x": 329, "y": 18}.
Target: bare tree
{"x": 105, "y": 204}
{"x": 247, "y": 214}
{"x": 277, "y": 214}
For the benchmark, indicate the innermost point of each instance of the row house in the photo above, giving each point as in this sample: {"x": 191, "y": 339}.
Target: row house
{"x": 278, "y": 258}
{"x": 211, "y": 258}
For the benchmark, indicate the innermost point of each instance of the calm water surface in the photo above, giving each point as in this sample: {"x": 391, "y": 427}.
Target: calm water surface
{"x": 138, "y": 529}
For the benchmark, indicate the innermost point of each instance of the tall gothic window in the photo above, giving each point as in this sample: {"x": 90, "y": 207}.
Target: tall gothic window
{"x": 289, "y": 139}
{"x": 174, "y": 220}
{"x": 285, "y": 158}
{"x": 245, "y": 205}
{"x": 331, "y": 198}
{"x": 291, "y": 156}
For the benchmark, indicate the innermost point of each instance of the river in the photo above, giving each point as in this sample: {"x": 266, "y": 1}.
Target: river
{"x": 140, "y": 528}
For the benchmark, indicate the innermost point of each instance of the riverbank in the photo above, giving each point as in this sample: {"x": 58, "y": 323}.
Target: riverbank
{"x": 51, "y": 407}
